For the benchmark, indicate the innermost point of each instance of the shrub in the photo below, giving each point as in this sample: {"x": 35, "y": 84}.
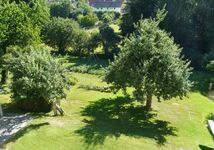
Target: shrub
{"x": 38, "y": 80}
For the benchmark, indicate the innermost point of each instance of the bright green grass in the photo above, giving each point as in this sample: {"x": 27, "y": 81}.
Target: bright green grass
{"x": 104, "y": 121}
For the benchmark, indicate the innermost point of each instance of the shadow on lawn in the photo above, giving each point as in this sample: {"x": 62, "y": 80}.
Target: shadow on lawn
{"x": 91, "y": 65}
{"x": 11, "y": 108}
{"x": 202, "y": 147}
{"x": 25, "y": 131}
{"x": 115, "y": 117}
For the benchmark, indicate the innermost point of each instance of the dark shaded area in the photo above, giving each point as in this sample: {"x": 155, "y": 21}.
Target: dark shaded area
{"x": 201, "y": 81}
{"x": 25, "y": 131}
{"x": 210, "y": 117}
{"x": 91, "y": 65}
{"x": 92, "y": 60}
{"x": 202, "y": 147}
{"x": 119, "y": 116}
{"x": 10, "y": 124}
{"x": 11, "y": 108}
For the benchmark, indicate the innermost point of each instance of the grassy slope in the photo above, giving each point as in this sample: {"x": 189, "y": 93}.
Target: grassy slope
{"x": 96, "y": 120}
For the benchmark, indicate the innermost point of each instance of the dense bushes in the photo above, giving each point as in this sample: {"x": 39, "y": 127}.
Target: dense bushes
{"x": 38, "y": 80}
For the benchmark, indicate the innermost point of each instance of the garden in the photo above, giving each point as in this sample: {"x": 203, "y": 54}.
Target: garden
{"x": 74, "y": 79}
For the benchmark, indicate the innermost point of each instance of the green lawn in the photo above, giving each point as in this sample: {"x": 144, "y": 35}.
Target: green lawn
{"x": 104, "y": 121}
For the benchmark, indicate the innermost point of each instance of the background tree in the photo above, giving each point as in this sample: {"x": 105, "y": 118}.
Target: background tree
{"x": 189, "y": 21}
{"x": 93, "y": 42}
{"x": 81, "y": 7}
{"x": 80, "y": 42}
{"x": 60, "y": 33}
{"x": 150, "y": 62}
{"x": 88, "y": 20}
{"x": 109, "y": 38}
{"x": 16, "y": 28}
{"x": 62, "y": 9}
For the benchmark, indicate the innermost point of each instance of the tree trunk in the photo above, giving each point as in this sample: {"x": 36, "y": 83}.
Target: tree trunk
{"x": 57, "y": 108}
{"x": 61, "y": 50}
{"x": 4, "y": 73}
{"x": 1, "y": 112}
{"x": 106, "y": 48}
{"x": 149, "y": 102}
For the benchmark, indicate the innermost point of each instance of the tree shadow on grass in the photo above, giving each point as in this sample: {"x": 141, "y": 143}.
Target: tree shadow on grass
{"x": 116, "y": 117}
{"x": 11, "y": 108}
{"x": 91, "y": 65}
{"x": 202, "y": 147}
{"x": 24, "y": 131}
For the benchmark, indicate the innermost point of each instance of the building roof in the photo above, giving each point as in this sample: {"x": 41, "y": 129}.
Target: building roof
{"x": 106, "y": 3}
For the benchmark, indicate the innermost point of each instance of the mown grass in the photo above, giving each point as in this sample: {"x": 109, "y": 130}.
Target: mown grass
{"x": 103, "y": 121}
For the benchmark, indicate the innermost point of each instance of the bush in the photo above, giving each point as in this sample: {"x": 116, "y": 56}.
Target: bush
{"x": 38, "y": 80}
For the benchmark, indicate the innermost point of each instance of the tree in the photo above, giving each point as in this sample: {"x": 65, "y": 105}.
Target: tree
{"x": 60, "y": 33}
{"x": 61, "y": 9}
{"x": 93, "y": 42}
{"x": 81, "y": 7}
{"x": 88, "y": 20}
{"x": 109, "y": 39}
{"x": 38, "y": 80}
{"x": 16, "y": 28}
{"x": 189, "y": 21}
{"x": 80, "y": 42}
{"x": 150, "y": 62}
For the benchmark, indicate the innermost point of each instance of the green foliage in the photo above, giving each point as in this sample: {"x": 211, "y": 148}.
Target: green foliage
{"x": 80, "y": 43}
{"x": 16, "y": 27}
{"x": 150, "y": 62}
{"x": 210, "y": 66}
{"x": 108, "y": 16}
{"x": 88, "y": 20}
{"x": 61, "y": 9}
{"x": 189, "y": 21}
{"x": 109, "y": 38}
{"x": 60, "y": 33}
{"x": 82, "y": 7}
{"x": 38, "y": 79}
{"x": 93, "y": 42}
{"x": 20, "y": 25}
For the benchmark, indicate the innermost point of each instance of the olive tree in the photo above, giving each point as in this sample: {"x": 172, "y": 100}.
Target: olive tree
{"x": 151, "y": 63}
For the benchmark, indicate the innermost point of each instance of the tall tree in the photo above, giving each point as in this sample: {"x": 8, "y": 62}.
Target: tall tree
{"x": 62, "y": 9}
{"x": 150, "y": 62}
{"x": 60, "y": 33}
{"x": 189, "y": 21}
{"x": 16, "y": 28}
{"x": 109, "y": 38}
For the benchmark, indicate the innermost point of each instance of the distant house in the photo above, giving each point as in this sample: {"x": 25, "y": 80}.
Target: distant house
{"x": 104, "y": 5}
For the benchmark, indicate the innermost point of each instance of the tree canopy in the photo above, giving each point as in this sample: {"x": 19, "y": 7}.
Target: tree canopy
{"x": 151, "y": 63}
{"x": 189, "y": 21}
{"x": 60, "y": 33}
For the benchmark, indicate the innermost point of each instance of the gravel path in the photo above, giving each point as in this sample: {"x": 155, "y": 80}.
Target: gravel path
{"x": 11, "y": 124}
